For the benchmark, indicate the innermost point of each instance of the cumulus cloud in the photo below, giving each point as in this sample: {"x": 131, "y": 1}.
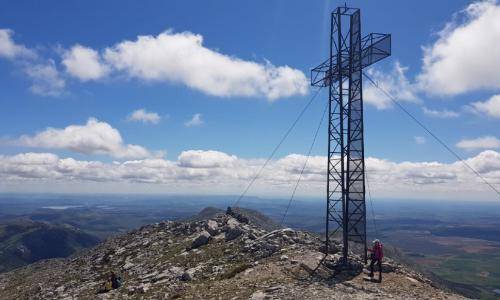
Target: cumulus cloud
{"x": 182, "y": 58}
{"x": 46, "y": 79}
{"x": 485, "y": 142}
{"x": 169, "y": 57}
{"x": 466, "y": 55}
{"x": 196, "y": 120}
{"x": 215, "y": 172}
{"x": 9, "y": 49}
{"x": 84, "y": 63}
{"x": 141, "y": 115}
{"x": 395, "y": 83}
{"x": 490, "y": 107}
{"x": 442, "y": 114}
{"x": 488, "y": 163}
{"x": 206, "y": 159}
{"x": 95, "y": 137}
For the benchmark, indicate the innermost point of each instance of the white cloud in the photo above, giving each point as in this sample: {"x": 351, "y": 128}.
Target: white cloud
{"x": 466, "y": 55}
{"x": 10, "y": 50}
{"x": 485, "y": 142}
{"x": 182, "y": 58}
{"x": 84, "y": 63}
{"x": 46, "y": 79}
{"x": 490, "y": 107}
{"x": 141, "y": 115}
{"x": 196, "y": 120}
{"x": 487, "y": 162}
{"x": 442, "y": 114}
{"x": 94, "y": 137}
{"x": 395, "y": 83}
{"x": 205, "y": 159}
{"x": 197, "y": 171}
{"x": 419, "y": 139}
{"x": 168, "y": 57}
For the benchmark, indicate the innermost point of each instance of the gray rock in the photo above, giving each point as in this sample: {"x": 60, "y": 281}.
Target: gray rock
{"x": 128, "y": 265}
{"x": 186, "y": 276}
{"x": 143, "y": 288}
{"x": 388, "y": 268}
{"x": 259, "y": 295}
{"x": 176, "y": 271}
{"x": 233, "y": 233}
{"x": 212, "y": 227}
{"x": 273, "y": 289}
{"x": 131, "y": 290}
{"x": 202, "y": 239}
{"x": 232, "y": 223}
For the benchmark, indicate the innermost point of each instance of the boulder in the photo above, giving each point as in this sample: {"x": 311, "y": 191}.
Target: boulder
{"x": 143, "y": 288}
{"x": 258, "y": 295}
{"x": 233, "y": 233}
{"x": 232, "y": 223}
{"x": 388, "y": 268}
{"x": 202, "y": 239}
{"x": 127, "y": 266}
{"x": 212, "y": 227}
{"x": 186, "y": 276}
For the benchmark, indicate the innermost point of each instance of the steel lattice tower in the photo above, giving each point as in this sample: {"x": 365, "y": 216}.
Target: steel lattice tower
{"x": 342, "y": 74}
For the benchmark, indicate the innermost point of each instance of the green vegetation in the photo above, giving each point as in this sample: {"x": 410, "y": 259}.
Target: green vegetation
{"x": 23, "y": 242}
{"x": 475, "y": 274}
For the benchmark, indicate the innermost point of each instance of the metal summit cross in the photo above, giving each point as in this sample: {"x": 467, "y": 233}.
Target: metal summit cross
{"x": 342, "y": 74}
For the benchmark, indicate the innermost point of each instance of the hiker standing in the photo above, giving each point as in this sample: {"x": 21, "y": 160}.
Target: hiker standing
{"x": 376, "y": 257}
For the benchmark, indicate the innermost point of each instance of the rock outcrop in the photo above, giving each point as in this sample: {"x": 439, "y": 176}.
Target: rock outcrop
{"x": 220, "y": 258}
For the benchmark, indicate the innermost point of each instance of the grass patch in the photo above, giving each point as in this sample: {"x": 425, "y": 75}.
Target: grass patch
{"x": 236, "y": 270}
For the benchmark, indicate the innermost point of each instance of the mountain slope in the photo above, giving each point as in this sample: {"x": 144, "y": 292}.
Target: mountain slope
{"x": 220, "y": 258}
{"x": 23, "y": 242}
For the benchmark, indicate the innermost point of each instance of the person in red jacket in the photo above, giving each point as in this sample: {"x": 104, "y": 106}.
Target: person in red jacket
{"x": 376, "y": 257}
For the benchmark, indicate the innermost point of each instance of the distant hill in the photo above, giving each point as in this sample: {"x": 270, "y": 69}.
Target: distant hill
{"x": 23, "y": 242}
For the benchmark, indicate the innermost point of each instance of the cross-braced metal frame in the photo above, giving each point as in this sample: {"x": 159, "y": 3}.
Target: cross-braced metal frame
{"x": 342, "y": 74}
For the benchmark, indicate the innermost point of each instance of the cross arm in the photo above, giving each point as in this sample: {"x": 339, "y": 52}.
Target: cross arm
{"x": 375, "y": 47}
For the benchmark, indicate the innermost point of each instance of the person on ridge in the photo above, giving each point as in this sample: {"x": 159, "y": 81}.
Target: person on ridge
{"x": 376, "y": 257}
{"x": 115, "y": 280}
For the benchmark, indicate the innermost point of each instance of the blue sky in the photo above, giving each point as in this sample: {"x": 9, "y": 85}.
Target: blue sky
{"x": 46, "y": 82}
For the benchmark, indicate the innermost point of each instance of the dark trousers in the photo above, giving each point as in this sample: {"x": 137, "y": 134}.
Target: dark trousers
{"x": 379, "y": 264}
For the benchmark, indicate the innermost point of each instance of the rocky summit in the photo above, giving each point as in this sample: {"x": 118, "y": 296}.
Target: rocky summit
{"x": 223, "y": 257}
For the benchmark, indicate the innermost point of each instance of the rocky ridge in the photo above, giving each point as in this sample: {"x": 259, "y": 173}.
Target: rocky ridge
{"x": 220, "y": 258}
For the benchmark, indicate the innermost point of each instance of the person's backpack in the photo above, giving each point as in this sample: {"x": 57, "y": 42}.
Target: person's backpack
{"x": 108, "y": 286}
